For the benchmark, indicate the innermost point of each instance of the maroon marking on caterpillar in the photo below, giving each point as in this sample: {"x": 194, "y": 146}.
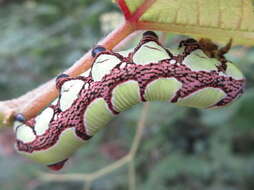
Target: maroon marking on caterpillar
{"x": 192, "y": 81}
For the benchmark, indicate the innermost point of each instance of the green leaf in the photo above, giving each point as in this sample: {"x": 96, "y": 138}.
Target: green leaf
{"x": 218, "y": 20}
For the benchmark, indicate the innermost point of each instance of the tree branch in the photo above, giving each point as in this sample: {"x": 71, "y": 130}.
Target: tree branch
{"x": 31, "y": 103}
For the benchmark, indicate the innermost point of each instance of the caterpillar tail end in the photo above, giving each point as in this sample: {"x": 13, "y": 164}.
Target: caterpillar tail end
{"x": 57, "y": 166}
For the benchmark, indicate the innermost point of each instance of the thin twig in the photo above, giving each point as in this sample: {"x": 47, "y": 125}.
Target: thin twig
{"x": 141, "y": 126}
{"x": 132, "y": 174}
{"x": 87, "y": 185}
{"x": 87, "y": 177}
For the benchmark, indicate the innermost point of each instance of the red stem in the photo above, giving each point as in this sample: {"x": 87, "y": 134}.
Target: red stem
{"x": 125, "y": 9}
{"x": 141, "y": 10}
{"x": 134, "y": 17}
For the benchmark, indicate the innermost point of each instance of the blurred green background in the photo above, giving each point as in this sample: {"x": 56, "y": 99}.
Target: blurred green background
{"x": 181, "y": 148}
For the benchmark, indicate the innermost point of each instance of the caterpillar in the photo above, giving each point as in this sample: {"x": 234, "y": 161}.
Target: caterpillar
{"x": 187, "y": 76}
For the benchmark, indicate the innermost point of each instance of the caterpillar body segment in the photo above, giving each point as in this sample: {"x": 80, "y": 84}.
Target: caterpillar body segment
{"x": 96, "y": 116}
{"x": 117, "y": 81}
{"x": 162, "y": 89}
{"x": 125, "y": 95}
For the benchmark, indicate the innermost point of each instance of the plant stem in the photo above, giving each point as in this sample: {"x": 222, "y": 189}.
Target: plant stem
{"x": 31, "y": 103}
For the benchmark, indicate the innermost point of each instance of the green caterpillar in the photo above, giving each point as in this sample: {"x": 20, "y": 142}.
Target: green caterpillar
{"x": 186, "y": 76}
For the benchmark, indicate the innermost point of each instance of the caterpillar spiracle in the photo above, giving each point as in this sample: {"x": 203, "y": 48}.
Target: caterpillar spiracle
{"x": 186, "y": 76}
